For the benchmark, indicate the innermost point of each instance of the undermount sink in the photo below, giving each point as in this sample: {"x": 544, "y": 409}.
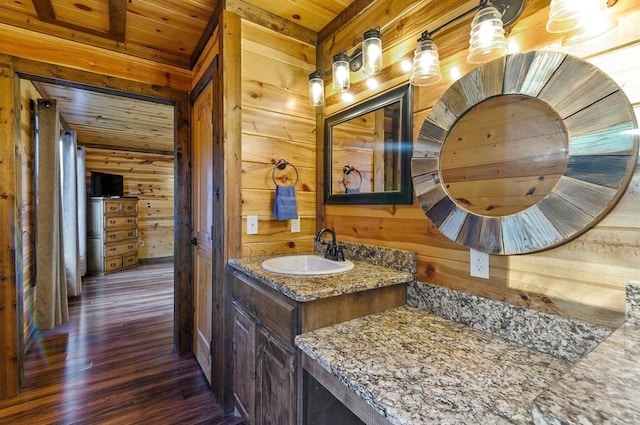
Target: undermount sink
{"x": 305, "y": 265}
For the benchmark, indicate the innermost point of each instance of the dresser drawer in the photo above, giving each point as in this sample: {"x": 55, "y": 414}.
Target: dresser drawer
{"x": 112, "y": 263}
{"x": 129, "y": 260}
{"x": 121, "y": 248}
{"x": 129, "y": 207}
{"x": 112, "y": 206}
{"x": 120, "y": 235}
{"x": 120, "y": 221}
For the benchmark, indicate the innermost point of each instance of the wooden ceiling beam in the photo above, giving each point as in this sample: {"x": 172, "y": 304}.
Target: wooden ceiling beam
{"x": 357, "y": 8}
{"x": 117, "y": 19}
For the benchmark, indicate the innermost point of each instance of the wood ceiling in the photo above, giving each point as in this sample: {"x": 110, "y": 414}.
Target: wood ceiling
{"x": 167, "y": 31}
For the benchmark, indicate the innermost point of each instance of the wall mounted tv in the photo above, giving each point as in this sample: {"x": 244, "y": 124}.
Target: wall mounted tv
{"x": 105, "y": 184}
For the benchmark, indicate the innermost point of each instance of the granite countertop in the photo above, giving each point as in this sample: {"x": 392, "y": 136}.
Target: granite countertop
{"x": 603, "y": 387}
{"x": 362, "y": 277}
{"x": 417, "y": 368}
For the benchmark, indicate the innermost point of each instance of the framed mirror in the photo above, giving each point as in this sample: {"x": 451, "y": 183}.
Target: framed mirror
{"x": 367, "y": 156}
{"x": 525, "y": 153}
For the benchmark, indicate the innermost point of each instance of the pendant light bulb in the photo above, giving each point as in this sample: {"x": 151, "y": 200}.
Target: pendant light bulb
{"x": 316, "y": 89}
{"x": 340, "y": 72}
{"x": 487, "y": 40}
{"x": 426, "y": 62}
{"x": 372, "y": 52}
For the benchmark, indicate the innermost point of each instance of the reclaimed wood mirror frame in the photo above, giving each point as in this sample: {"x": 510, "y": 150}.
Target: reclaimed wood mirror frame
{"x": 602, "y": 152}
{"x": 404, "y": 194}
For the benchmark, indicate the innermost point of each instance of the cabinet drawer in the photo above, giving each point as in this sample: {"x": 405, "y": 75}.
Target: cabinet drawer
{"x": 269, "y": 307}
{"x": 129, "y": 260}
{"x": 121, "y": 221}
{"x": 112, "y": 263}
{"x": 121, "y": 248}
{"x": 112, "y": 207}
{"x": 129, "y": 207}
{"x": 120, "y": 235}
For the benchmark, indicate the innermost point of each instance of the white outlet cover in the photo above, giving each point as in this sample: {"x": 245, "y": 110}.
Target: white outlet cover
{"x": 252, "y": 225}
{"x": 295, "y": 225}
{"x": 479, "y": 264}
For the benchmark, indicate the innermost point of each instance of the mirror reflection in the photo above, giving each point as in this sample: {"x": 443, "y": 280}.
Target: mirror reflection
{"x": 368, "y": 148}
{"x": 504, "y": 155}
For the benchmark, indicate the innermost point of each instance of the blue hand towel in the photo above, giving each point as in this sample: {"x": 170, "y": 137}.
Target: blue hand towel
{"x": 285, "y": 206}
{"x": 353, "y": 190}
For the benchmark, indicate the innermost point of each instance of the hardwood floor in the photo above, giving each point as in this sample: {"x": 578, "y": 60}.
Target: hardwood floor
{"x": 113, "y": 363}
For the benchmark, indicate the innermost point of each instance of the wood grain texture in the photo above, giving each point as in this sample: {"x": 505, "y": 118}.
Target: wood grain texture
{"x": 150, "y": 177}
{"x": 277, "y": 123}
{"x": 108, "y": 121}
{"x": 517, "y": 138}
{"x": 10, "y": 284}
{"x": 28, "y": 93}
{"x": 584, "y": 278}
{"x": 114, "y": 361}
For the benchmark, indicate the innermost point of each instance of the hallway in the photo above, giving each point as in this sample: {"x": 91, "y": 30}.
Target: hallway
{"x": 113, "y": 363}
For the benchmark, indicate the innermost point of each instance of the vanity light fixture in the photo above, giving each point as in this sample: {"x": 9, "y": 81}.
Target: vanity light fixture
{"x": 316, "y": 89}
{"x": 487, "y": 39}
{"x": 587, "y": 18}
{"x": 372, "y": 51}
{"x": 340, "y": 72}
{"x": 426, "y": 62}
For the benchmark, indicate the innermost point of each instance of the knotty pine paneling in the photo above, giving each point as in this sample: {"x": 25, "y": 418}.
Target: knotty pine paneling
{"x": 26, "y": 146}
{"x": 40, "y": 47}
{"x": 584, "y": 278}
{"x": 277, "y": 123}
{"x": 150, "y": 178}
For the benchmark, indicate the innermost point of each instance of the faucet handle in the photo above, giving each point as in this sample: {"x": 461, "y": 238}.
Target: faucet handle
{"x": 339, "y": 254}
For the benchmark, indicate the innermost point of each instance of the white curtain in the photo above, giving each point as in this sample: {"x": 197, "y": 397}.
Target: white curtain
{"x": 51, "y": 289}
{"x": 69, "y": 185}
{"x": 81, "y": 155}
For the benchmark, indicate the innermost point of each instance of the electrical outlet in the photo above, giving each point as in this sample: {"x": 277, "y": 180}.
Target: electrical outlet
{"x": 295, "y": 225}
{"x": 252, "y": 225}
{"x": 479, "y": 264}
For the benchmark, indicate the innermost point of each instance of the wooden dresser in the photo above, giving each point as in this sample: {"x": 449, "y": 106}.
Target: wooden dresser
{"x": 112, "y": 234}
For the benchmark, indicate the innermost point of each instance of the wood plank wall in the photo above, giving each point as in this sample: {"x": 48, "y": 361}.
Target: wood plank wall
{"x": 150, "y": 178}
{"x": 26, "y": 145}
{"x": 277, "y": 123}
{"x": 584, "y": 278}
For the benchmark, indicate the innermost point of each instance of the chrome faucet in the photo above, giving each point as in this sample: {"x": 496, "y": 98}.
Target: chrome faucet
{"x": 333, "y": 251}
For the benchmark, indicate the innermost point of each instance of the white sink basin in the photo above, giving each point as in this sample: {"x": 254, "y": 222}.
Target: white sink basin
{"x": 305, "y": 265}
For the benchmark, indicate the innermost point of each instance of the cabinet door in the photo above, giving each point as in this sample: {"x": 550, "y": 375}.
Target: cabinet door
{"x": 275, "y": 381}
{"x": 244, "y": 364}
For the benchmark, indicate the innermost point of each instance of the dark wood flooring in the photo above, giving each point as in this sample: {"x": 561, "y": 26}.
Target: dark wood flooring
{"x": 113, "y": 363}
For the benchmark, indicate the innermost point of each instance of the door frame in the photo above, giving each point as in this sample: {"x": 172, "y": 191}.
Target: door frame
{"x": 44, "y": 72}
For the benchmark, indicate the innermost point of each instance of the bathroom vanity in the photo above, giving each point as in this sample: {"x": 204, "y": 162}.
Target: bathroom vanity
{"x": 270, "y": 310}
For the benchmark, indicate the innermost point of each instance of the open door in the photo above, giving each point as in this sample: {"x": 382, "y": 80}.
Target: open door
{"x": 203, "y": 227}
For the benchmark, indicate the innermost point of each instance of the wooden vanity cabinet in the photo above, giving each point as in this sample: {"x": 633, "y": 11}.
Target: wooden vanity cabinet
{"x": 265, "y": 363}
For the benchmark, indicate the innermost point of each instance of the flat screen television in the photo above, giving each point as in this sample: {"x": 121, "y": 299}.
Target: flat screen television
{"x": 105, "y": 184}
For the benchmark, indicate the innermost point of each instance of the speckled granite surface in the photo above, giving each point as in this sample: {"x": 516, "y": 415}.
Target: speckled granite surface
{"x": 308, "y": 288}
{"x": 633, "y": 302}
{"x": 396, "y": 259}
{"x": 603, "y": 387}
{"x": 562, "y": 337}
{"x": 417, "y": 368}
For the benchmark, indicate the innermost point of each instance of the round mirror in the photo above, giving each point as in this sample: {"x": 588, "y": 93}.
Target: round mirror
{"x": 524, "y": 153}
{"x": 495, "y": 170}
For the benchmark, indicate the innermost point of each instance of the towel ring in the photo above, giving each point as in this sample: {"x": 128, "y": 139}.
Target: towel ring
{"x": 281, "y": 164}
{"x": 348, "y": 169}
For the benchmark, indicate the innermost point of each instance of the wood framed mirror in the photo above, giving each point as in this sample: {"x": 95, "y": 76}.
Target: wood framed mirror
{"x": 525, "y": 153}
{"x": 367, "y": 157}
